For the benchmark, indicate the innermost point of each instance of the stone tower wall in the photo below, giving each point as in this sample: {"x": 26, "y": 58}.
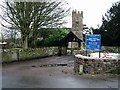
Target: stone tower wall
{"x": 77, "y": 21}
{"x": 77, "y": 24}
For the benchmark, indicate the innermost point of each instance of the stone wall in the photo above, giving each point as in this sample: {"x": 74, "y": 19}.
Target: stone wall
{"x": 95, "y": 65}
{"x": 10, "y": 55}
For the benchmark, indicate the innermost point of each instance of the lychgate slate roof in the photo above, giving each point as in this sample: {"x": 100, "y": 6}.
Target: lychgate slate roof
{"x": 70, "y": 37}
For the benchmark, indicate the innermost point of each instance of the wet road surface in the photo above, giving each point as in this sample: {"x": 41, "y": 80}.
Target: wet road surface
{"x": 56, "y": 82}
{"x": 31, "y": 75}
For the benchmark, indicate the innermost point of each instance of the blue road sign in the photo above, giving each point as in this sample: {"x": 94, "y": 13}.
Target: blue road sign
{"x": 93, "y": 42}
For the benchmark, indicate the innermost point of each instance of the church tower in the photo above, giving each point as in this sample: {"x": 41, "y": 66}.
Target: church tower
{"x": 77, "y": 24}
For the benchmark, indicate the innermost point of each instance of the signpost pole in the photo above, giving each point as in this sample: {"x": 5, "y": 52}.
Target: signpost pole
{"x": 86, "y": 52}
{"x": 99, "y": 54}
{"x": 100, "y": 47}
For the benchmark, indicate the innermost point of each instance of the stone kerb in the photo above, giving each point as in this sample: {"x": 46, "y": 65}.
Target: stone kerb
{"x": 92, "y": 65}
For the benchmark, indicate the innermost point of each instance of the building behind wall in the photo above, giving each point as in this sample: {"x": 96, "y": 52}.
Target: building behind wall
{"x": 77, "y": 28}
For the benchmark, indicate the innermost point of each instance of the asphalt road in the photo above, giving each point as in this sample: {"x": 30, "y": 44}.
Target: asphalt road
{"x": 32, "y": 74}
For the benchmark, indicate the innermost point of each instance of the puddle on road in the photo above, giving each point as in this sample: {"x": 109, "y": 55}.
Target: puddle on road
{"x": 50, "y": 65}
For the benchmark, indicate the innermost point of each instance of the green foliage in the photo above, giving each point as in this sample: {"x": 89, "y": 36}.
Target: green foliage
{"x": 110, "y": 28}
{"x": 54, "y": 38}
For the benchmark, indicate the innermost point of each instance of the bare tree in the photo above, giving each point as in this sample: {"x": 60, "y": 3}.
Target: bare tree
{"x": 30, "y": 17}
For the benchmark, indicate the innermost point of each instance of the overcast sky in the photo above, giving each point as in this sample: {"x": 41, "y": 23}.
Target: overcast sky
{"x": 92, "y": 10}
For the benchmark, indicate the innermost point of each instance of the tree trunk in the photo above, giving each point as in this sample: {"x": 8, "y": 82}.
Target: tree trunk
{"x": 118, "y": 49}
{"x": 21, "y": 40}
{"x": 35, "y": 41}
{"x": 25, "y": 43}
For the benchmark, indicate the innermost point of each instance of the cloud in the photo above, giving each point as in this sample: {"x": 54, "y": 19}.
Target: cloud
{"x": 92, "y": 10}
